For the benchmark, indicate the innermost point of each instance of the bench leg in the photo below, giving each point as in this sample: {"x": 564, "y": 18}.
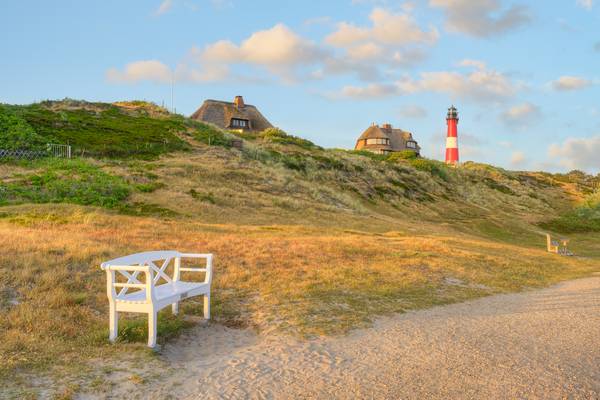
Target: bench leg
{"x": 207, "y": 306}
{"x": 152, "y": 323}
{"x": 113, "y": 325}
{"x": 175, "y": 308}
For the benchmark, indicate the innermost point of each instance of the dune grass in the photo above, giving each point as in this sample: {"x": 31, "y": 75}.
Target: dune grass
{"x": 308, "y": 241}
{"x": 103, "y": 130}
{"x": 300, "y": 280}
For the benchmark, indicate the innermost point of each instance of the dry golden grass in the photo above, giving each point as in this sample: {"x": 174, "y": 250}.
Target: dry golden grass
{"x": 300, "y": 279}
{"x": 308, "y": 253}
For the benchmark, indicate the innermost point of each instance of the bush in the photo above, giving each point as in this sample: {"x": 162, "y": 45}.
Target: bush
{"x": 435, "y": 168}
{"x": 402, "y": 155}
{"x": 17, "y": 134}
{"x": 276, "y": 135}
{"x": 369, "y": 154}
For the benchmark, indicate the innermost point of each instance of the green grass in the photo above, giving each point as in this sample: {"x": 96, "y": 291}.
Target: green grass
{"x": 584, "y": 218}
{"x": 309, "y": 241}
{"x": 276, "y": 135}
{"x": 104, "y": 130}
{"x": 579, "y": 220}
{"x": 208, "y": 134}
{"x": 71, "y": 181}
{"x": 433, "y": 167}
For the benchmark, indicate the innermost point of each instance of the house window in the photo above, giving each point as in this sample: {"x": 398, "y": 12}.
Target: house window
{"x": 239, "y": 123}
{"x": 378, "y": 141}
{"x": 411, "y": 144}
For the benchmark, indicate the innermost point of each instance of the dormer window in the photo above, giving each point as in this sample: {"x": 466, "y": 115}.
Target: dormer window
{"x": 240, "y": 123}
{"x": 411, "y": 144}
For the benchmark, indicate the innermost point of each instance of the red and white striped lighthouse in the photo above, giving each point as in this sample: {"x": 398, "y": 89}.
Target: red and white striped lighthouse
{"x": 452, "y": 138}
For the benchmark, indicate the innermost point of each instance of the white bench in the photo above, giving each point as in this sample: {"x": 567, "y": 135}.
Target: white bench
{"x": 149, "y": 297}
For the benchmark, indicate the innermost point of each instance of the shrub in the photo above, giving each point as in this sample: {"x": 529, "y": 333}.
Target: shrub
{"x": 435, "y": 168}
{"x": 16, "y": 133}
{"x": 402, "y": 155}
{"x": 492, "y": 184}
{"x": 330, "y": 163}
{"x": 369, "y": 154}
{"x": 276, "y": 135}
{"x": 205, "y": 197}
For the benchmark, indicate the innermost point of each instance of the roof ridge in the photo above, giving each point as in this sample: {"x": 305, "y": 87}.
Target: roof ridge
{"x": 230, "y": 103}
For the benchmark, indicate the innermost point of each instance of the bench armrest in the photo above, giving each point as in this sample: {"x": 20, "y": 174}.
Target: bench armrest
{"x": 130, "y": 272}
{"x": 207, "y": 269}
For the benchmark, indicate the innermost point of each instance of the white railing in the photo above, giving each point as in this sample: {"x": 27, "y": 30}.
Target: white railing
{"x": 59, "y": 150}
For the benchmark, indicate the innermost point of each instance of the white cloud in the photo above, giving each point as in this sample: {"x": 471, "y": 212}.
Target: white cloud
{"x": 147, "y": 70}
{"x": 483, "y": 84}
{"x": 374, "y": 90}
{"x": 520, "y": 115}
{"x": 577, "y": 153}
{"x": 390, "y": 41}
{"x": 565, "y": 83}
{"x": 413, "y": 111}
{"x": 517, "y": 159}
{"x": 387, "y": 28}
{"x": 277, "y": 49}
{"x": 276, "y": 46}
{"x": 164, "y": 7}
{"x": 481, "y": 18}
{"x": 587, "y": 4}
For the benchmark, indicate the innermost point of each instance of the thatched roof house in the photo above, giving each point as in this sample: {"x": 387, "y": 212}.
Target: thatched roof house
{"x": 386, "y": 139}
{"x": 235, "y": 116}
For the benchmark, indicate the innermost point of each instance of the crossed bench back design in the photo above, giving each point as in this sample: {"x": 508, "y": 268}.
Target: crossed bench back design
{"x": 158, "y": 289}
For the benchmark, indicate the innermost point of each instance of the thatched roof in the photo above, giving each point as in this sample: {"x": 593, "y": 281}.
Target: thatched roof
{"x": 397, "y": 137}
{"x": 373, "y": 132}
{"x": 220, "y": 113}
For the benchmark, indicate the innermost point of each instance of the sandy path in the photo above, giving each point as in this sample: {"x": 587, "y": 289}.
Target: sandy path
{"x": 541, "y": 344}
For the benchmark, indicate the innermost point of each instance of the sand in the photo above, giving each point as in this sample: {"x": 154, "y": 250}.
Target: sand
{"x": 542, "y": 344}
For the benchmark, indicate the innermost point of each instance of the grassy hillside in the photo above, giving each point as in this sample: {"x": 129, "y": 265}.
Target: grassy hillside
{"x": 308, "y": 241}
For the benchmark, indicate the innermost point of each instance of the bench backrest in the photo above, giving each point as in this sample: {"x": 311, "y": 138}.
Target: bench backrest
{"x": 132, "y": 265}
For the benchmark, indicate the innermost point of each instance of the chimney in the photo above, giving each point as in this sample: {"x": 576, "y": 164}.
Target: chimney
{"x": 239, "y": 101}
{"x": 387, "y": 126}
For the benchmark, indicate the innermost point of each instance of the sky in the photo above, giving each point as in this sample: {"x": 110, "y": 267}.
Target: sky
{"x": 524, "y": 75}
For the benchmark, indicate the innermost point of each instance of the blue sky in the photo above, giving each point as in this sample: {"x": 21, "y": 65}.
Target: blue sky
{"x": 523, "y": 74}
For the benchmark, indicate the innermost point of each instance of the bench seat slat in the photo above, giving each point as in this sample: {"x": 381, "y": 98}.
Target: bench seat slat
{"x": 165, "y": 291}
